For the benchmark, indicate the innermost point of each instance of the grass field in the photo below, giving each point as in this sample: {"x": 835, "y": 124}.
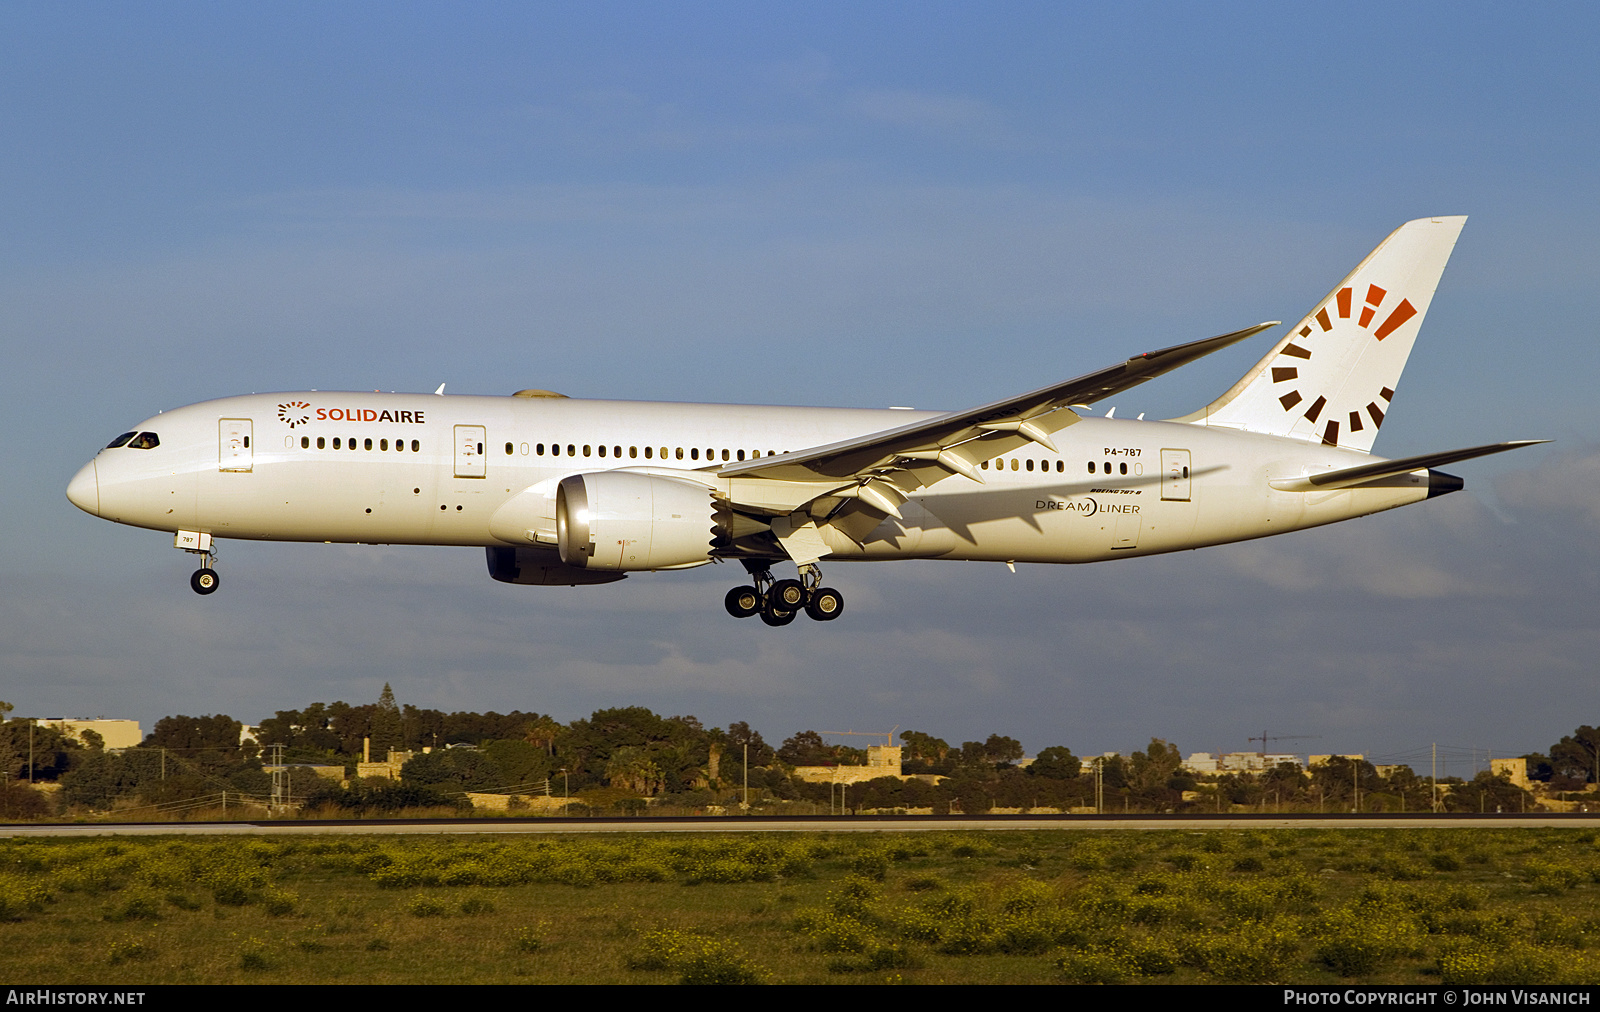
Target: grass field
{"x": 1288, "y": 906}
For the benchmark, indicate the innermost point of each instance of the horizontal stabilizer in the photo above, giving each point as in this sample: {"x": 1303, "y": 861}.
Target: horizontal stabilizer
{"x": 1328, "y": 480}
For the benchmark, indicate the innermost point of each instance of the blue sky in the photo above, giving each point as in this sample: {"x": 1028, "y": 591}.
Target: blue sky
{"x": 846, "y": 204}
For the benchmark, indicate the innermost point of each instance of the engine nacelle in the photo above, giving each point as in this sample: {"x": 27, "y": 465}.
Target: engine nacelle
{"x": 541, "y": 567}
{"x": 619, "y": 521}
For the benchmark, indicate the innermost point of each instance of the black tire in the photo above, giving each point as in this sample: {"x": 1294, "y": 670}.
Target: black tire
{"x": 742, "y": 602}
{"x": 775, "y": 616}
{"x": 205, "y": 581}
{"x": 787, "y": 595}
{"x": 826, "y": 604}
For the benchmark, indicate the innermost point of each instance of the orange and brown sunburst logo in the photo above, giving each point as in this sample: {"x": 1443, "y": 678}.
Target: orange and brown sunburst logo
{"x": 294, "y": 413}
{"x": 1342, "y": 306}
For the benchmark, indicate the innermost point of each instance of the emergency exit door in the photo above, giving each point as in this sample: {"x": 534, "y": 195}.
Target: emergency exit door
{"x": 470, "y": 459}
{"x": 1175, "y": 475}
{"x": 235, "y": 452}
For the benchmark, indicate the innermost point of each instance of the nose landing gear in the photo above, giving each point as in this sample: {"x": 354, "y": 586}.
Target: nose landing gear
{"x": 779, "y": 601}
{"x": 205, "y": 579}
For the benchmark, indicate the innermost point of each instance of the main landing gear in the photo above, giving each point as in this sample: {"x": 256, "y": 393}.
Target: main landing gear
{"x": 779, "y": 601}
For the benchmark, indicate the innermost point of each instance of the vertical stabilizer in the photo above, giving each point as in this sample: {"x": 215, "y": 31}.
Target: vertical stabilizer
{"x": 1333, "y": 378}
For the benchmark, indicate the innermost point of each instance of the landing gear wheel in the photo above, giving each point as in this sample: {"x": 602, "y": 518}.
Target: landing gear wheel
{"x": 775, "y": 616}
{"x": 742, "y": 602}
{"x": 826, "y": 604}
{"x": 787, "y": 595}
{"x": 205, "y": 581}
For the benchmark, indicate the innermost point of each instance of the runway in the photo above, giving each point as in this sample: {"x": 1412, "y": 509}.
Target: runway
{"x": 803, "y": 824}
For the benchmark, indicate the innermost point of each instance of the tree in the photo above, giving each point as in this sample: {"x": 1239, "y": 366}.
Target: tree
{"x": 1577, "y": 755}
{"x": 385, "y": 723}
{"x": 922, "y": 747}
{"x": 741, "y": 734}
{"x": 1056, "y": 763}
{"x": 807, "y": 749}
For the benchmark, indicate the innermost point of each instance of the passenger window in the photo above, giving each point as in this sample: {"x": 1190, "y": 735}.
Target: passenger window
{"x": 648, "y": 451}
{"x": 741, "y": 454}
{"x": 633, "y": 452}
{"x": 539, "y": 449}
{"x": 368, "y": 444}
{"x": 383, "y": 444}
{"x": 585, "y": 449}
{"x": 337, "y": 443}
{"x": 1108, "y": 467}
{"x": 1015, "y": 464}
{"x": 1091, "y": 467}
{"x": 305, "y": 442}
{"x": 616, "y": 451}
{"x": 572, "y": 451}
{"x": 984, "y": 464}
{"x": 694, "y": 453}
{"x": 415, "y": 446}
{"x": 508, "y": 449}
{"x": 1030, "y": 463}
{"x": 724, "y": 454}
{"x": 1123, "y": 467}
{"x": 1061, "y": 465}
{"x": 602, "y": 450}
{"x": 680, "y": 453}
{"x": 247, "y": 442}
{"x": 322, "y": 444}
{"x": 120, "y": 440}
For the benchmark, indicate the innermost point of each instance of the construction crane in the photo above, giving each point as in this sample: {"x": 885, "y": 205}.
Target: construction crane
{"x": 1277, "y": 737}
{"x": 887, "y": 736}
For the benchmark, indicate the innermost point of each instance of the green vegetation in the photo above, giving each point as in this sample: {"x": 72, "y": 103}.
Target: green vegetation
{"x": 1290, "y": 906}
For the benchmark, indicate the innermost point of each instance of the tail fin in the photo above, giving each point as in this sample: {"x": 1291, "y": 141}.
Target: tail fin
{"x": 1332, "y": 379}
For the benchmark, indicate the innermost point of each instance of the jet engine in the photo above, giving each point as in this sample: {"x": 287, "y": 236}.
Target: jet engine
{"x": 619, "y": 521}
{"x": 541, "y": 567}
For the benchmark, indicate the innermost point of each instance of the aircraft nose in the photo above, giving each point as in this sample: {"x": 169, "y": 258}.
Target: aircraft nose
{"x": 84, "y": 489}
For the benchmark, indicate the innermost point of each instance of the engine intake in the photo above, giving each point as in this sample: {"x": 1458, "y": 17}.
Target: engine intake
{"x": 619, "y": 521}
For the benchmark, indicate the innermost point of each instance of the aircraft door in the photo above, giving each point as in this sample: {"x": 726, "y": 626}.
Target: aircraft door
{"x": 471, "y": 461}
{"x": 1175, "y": 475}
{"x": 235, "y": 452}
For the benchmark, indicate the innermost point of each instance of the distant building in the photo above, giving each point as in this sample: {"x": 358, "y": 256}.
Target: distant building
{"x": 1237, "y": 762}
{"x": 113, "y": 733}
{"x": 1322, "y": 760}
{"x": 882, "y": 761}
{"x": 1515, "y": 770}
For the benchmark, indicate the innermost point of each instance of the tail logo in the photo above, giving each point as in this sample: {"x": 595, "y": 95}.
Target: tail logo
{"x": 1341, "y": 307}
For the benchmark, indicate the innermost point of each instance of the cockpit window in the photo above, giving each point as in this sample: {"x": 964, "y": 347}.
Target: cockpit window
{"x": 120, "y": 440}
{"x": 145, "y": 441}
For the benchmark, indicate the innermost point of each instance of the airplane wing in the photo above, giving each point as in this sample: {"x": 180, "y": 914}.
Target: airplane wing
{"x": 957, "y": 441}
{"x": 852, "y": 485}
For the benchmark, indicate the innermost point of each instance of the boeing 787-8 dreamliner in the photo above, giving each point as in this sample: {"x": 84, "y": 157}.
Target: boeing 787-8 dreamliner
{"x": 561, "y": 491}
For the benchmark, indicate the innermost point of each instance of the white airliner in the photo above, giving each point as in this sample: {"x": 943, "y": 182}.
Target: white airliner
{"x": 563, "y": 492}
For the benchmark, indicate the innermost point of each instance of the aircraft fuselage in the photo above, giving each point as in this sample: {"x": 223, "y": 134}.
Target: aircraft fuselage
{"x": 436, "y": 470}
